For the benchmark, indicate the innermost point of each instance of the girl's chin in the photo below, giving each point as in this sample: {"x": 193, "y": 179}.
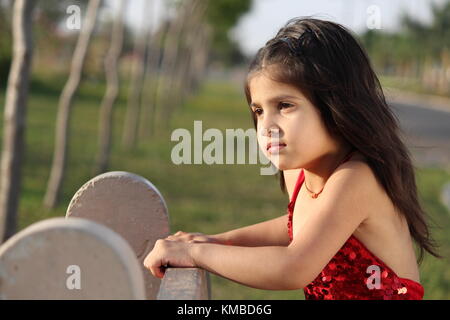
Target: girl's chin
{"x": 282, "y": 166}
{"x": 279, "y": 161}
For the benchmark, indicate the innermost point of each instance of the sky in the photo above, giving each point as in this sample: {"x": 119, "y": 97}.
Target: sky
{"x": 266, "y": 17}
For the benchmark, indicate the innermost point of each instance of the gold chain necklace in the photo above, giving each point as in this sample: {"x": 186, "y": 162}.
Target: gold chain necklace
{"x": 314, "y": 195}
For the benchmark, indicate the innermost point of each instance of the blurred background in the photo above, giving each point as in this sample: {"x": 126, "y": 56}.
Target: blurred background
{"x": 109, "y": 81}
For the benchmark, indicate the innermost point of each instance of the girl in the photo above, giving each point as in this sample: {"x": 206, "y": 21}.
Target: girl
{"x": 322, "y": 119}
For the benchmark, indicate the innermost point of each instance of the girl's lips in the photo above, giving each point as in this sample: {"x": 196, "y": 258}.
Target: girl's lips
{"x": 274, "y": 144}
{"x": 276, "y": 148}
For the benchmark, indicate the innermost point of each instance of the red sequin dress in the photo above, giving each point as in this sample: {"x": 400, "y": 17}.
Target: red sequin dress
{"x": 355, "y": 273}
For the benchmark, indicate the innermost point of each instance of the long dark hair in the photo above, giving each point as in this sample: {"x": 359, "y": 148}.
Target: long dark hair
{"x": 328, "y": 65}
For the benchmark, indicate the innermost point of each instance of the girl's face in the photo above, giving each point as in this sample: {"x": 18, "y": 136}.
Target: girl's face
{"x": 284, "y": 110}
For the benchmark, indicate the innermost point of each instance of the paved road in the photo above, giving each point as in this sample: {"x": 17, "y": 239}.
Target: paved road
{"x": 427, "y": 133}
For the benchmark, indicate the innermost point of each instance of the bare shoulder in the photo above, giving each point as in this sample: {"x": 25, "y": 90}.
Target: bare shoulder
{"x": 357, "y": 176}
{"x": 355, "y": 189}
{"x": 384, "y": 231}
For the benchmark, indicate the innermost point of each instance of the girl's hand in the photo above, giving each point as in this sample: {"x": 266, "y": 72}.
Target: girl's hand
{"x": 168, "y": 253}
{"x": 195, "y": 237}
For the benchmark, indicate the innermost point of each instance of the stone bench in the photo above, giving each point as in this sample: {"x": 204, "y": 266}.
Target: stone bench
{"x": 185, "y": 284}
{"x": 131, "y": 208}
{"x": 69, "y": 259}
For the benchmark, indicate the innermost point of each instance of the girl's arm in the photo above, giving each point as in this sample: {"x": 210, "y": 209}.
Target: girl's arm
{"x": 267, "y": 268}
{"x": 272, "y": 232}
{"x": 268, "y": 233}
{"x": 284, "y": 267}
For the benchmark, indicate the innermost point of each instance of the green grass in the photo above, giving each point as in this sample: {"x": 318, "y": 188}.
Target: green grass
{"x": 409, "y": 84}
{"x": 435, "y": 273}
{"x": 209, "y": 199}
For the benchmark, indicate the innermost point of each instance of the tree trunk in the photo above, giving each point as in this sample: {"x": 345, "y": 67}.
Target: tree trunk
{"x": 137, "y": 78}
{"x": 146, "y": 125}
{"x": 112, "y": 90}
{"x": 65, "y": 104}
{"x": 188, "y": 50}
{"x": 168, "y": 64}
{"x": 14, "y": 117}
{"x": 200, "y": 64}
{"x": 153, "y": 90}
{"x": 195, "y": 37}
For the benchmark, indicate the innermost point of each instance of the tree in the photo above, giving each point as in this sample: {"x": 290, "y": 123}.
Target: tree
{"x": 170, "y": 59}
{"x": 418, "y": 50}
{"x": 191, "y": 59}
{"x": 65, "y": 106}
{"x": 15, "y": 115}
{"x": 212, "y": 20}
{"x": 148, "y": 101}
{"x": 112, "y": 90}
{"x": 222, "y": 16}
{"x": 129, "y": 138}
{"x": 5, "y": 43}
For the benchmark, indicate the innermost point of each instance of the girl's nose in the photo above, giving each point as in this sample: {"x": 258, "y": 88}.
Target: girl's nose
{"x": 271, "y": 132}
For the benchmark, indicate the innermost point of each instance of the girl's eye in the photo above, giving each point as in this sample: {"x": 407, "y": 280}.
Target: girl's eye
{"x": 257, "y": 111}
{"x": 284, "y": 105}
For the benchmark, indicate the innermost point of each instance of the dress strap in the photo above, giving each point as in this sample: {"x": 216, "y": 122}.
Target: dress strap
{"x": 300, "y": 179}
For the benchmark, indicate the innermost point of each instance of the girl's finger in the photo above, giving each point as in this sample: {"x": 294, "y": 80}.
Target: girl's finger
{"x": 157, "y": 272}
{"x": 151, "y": 266}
